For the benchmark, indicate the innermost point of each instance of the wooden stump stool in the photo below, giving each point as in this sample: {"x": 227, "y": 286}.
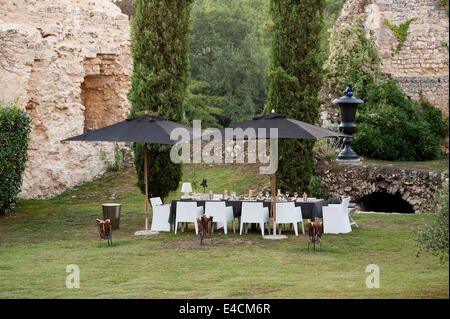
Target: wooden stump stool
{"x": 204, "y": 227}
{"x": 105, "y": 230}
{"x": 315, "y": 231}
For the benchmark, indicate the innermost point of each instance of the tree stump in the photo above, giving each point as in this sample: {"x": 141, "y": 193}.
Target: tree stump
{"x": 315, "y": 231}
{"x": 105, "y": 230}
{"x": 204, "y": 227}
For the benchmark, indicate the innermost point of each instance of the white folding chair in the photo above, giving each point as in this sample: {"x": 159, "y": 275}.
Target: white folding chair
{"x": 160, "y": 219}
{"x": 254, "y": 213}
{"x": 188, "y": 212}
{"x": 350, "y": 211}
{"x": 287, "y": 213}
{"x": 335, "y": 219}
{"x": 221, "y": 214}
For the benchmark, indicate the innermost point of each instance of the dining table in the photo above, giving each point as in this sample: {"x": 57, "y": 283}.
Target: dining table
{"x": 311, "y": 208}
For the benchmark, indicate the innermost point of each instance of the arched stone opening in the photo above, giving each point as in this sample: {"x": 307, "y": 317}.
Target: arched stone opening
{"x": 382, "y": 201}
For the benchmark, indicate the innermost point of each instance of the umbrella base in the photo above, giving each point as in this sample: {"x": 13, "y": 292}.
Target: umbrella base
{"x": 275, "y": 237}
{"x": 146, "y": 233}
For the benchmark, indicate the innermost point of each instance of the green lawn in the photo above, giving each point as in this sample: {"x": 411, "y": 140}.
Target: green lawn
{"x": 438, "y": 165}
{"x": 44, "y": 236}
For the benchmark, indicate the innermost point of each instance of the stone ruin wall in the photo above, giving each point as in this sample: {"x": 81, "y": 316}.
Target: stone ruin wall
{"x": 421, "y": 64}
{"x": 419, "y": 189}
{"x": 71, "y": 71}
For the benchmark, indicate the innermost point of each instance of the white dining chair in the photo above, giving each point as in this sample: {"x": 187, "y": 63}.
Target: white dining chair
{"x": 335, "y": 219}
{"x": 160, "y": 219}
{"x": 188, "y": 212}
{"x": 287, "y": 213}
{"x": 254, "y": 213}
{"x": 221, "y": 214}
{"x": 350, "y": 211}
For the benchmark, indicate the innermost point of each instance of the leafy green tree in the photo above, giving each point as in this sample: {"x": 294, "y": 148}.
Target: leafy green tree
{"x": 434, "y": 236}
{"x": 14, "y": 131}
{"x": 296, "y": 78}
{"x": 228, "y": 53}
{"x": 160, "y": 32}
{"x": 200, "y": 106}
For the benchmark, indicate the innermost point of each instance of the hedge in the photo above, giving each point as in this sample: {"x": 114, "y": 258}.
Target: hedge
{"x": 14, "y": 131}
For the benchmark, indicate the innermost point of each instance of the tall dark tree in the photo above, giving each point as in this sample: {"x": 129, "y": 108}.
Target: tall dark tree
{"x": 296, "y": 78}
{"x": 160, "y": 34}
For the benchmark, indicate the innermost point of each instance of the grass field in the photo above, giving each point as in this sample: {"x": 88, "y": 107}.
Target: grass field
{"x": 42, "y": 237}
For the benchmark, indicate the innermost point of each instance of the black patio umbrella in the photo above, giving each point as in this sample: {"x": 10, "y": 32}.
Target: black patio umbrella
{"x": 287, "y": 127}
{"x": 143, "y": 129}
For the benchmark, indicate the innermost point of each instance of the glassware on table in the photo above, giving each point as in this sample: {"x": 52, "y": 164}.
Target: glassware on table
{"x": 287, "y": 194}
{"x": 295, "y": 195}
{"x": 267, "y": 195}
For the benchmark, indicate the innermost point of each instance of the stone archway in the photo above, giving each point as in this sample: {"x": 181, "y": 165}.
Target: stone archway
{"x": 382, "y": 201}
{"x": 407, "y": 189}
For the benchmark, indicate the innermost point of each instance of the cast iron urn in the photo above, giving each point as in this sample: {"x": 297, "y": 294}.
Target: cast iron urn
{"x": 348, "y": 104}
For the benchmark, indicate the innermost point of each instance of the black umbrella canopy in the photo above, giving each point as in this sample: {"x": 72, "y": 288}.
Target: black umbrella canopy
{"x": 287, "y": 126}
{"x": 143, "y": 129}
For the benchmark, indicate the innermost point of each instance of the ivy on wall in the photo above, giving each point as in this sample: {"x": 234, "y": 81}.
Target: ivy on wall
{"x": 400, "y": 32}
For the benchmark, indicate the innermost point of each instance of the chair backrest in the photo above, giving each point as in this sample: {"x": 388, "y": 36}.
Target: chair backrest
{"x": 216, "y": 209}
{"x": 186, "y": 207}
{"x": 156, "y": 201}
{"x": 286, "y": 212}
{"x": 252, "y": 211}
{"x": 345, "y": 203}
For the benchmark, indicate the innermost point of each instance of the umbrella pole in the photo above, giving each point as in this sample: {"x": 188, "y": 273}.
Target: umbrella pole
{"x": 146, "y": 186}
{"x": 274, "y": 208}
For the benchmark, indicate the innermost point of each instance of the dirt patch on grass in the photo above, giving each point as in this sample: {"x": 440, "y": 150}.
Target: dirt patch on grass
{"x": 211, "y": 243}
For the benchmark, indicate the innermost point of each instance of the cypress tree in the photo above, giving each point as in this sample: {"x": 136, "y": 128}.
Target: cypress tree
{"x": 160, "y": 34}
{"x": 296, "y": 78}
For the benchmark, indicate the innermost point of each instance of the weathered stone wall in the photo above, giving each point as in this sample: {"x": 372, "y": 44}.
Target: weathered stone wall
{"x": 421, "y": 63}
{"x": 71, "y": 71}
{"x": 417, "y": 188}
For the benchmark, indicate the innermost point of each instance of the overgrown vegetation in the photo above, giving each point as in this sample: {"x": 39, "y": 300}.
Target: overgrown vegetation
{"x": 14, "y": 131}
{"x": 400, "y": 32}
{"x": 434, "y": 236}
{"x": 391, "y": 126}
{"x": 353, "y": 58}
{"x": 295, "y": 80}
{"x": 117, "y": 163}
{"x": 159, "y": 47}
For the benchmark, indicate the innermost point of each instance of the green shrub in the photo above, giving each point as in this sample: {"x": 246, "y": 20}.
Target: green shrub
{"x": 434, "y": 237}
{"x": 433, "y": 115}
{"x": 392, "y": 127}
{"x": 14, "y": 130}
